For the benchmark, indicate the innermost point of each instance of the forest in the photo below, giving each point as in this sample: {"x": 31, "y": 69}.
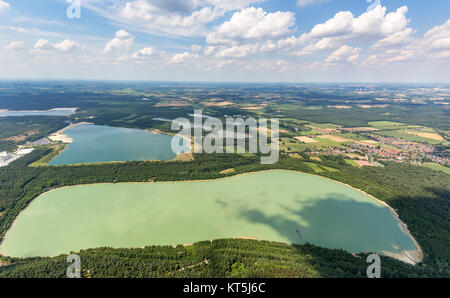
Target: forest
{"x": 420, "y": 195}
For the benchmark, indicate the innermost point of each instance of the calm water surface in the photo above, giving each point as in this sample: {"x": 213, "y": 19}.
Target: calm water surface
{"x": 271, "y": 205}
{"x": 96, "y": 144}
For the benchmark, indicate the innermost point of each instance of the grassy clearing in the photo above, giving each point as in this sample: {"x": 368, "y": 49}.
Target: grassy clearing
{"x": 352, "y": 163}
{"x": 409, "y": 137}
{"x": 387, "y": 125}
{"x": 291, "y": 145}
{"x": 315, "y": 167}
{"x": 48, "y": 158}
{"x": 437, "y": 167}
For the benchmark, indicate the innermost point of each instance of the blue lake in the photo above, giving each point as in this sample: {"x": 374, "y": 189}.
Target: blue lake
{"x": 97, "y": 144}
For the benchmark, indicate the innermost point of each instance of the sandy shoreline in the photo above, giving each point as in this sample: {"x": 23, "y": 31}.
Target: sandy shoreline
{"x": 412, "y": 257}
{"x": 59, "y": 136}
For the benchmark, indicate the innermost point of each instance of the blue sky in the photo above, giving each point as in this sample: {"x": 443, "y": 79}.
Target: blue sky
{"x": 227, "y": 40}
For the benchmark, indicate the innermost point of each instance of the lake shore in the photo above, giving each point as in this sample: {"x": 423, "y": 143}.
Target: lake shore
{"x": 59, "y": 136}
{"x": 411, "y": 257}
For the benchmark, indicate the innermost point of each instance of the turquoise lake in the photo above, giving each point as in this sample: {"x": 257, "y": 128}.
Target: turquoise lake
{"x": 97, "y": 144}
{"x": 277, "y": 205}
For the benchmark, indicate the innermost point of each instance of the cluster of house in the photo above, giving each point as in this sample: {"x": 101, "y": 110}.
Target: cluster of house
{"x": 365, "y": 154}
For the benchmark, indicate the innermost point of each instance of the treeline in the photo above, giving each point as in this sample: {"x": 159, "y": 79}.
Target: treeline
{"x": 228, "y": 258}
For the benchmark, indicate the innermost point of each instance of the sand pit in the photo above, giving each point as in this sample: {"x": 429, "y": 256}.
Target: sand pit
{"x": 60, "y": 137}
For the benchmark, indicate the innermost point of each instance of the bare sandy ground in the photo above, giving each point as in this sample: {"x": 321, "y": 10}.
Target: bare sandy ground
{"x": 59, "y": 136}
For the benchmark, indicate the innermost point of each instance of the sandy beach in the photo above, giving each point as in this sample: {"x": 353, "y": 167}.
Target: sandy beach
{"x": 59, "y": 136}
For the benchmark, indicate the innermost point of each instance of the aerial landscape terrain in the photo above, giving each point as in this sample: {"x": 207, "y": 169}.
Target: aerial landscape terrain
{"x": 393, "y": 168}
{"x": 224, "y": 139}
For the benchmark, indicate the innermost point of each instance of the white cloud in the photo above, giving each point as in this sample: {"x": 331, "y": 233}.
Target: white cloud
{"x": 389, "y": 57}
{"x": 237, "y": 51}
{"x": 182, "y": 57}
{"x": 321, "y": 45}
{"x": 253, "y": 24}
{"x": 4, "y": 6}
{"x": 438, "y": 38}
{"x": 145, "y": 53}
{"x": 401, "y": 47}
{"x": 196, "y": 48}
{"x": 167, "y": 17}
{"x": 66, "y": 45}
{"x": 122, "y": 41}
{"x": 400, "y": 38}
{"x": 344, "y": 54}
{"x": 43, "y": 44}
{"x": 269, "y": 46}
{"x": 344, "y": 27}
{"x": 16, "y": 46}
{"x": 373, "y": 24}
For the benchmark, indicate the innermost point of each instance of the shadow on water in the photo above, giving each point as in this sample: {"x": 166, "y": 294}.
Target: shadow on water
{"x": 336, "y": 221}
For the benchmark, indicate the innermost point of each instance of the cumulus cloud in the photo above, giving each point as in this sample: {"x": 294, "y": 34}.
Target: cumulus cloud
{"x": 4, "y": 6}
{"x": 64, "y": 46}
{"x": 400, "y": 38}
{"x": 16, "y": 46}
{"x": 438, "y": 38}
{"x": 145, "y": 53}
{"x": 122, "y": 41}
{"x": 43, "y": 44}
{"x": 253, "y": 24}
{"x": 401, "y": 47}
{"x": 182, "y": 57}
{"x": 173, "y": 17}
{"x": 344, "y": 54}
{"x": 372, "y": 24}
{"x": 344, "y": 27}
{"x": 388, "y": 57}
{"x": 321, "y": 45}
{"x": 237, "y": 51}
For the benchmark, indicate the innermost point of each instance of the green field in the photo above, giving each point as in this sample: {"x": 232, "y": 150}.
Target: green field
{"x": 437, "y": 167}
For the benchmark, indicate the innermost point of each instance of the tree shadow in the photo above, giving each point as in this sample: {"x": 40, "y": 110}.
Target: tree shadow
{"x": 338, "y": 222}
